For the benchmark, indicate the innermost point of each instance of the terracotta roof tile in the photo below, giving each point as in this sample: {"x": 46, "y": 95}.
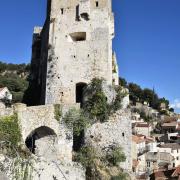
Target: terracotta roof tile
{"x": 176, "y": 172}
{"x": 137, "y": 139}
{"x": 173, "y": 146}
{"x": 135, "y": 163}
{"x": 171, "y": 124}
{"x": 142, "y": 125}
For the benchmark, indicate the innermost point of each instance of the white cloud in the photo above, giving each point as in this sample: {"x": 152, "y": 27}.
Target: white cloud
{"x": 176, "y": 104}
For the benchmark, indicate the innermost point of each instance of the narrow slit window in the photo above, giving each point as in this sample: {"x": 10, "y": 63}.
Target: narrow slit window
{"x": 62, "y": 11}
{"x": 77, "y": 13}
{"x": 97, "y": 4}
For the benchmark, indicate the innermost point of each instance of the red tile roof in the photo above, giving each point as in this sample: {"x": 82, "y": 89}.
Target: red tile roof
{"x": 173, "y": 146}
{"x": 135, "y": 163}
{"x": 137, "y": 139}
{"x": 176, "y": 173}
{"x": 171, "y": 124}
{"x": 142, "y": 125}
{"x": 1, "y": 88}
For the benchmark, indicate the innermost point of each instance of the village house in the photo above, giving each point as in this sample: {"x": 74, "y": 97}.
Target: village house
{"x": 138, "y": 154}
{"x": 136, "y": 116}
{"x": 143, "y": 128}
{"x": 169, "y": 127}
{"x": 172, "y": 149}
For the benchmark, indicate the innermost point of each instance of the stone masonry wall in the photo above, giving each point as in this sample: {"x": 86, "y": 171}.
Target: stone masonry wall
{"x": 116, "y": 131}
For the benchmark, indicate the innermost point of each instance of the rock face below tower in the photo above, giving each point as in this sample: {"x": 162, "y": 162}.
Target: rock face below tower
{"x": 73, "y": 47}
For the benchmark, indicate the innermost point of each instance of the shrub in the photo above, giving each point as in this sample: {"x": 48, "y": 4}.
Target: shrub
{"x": 117, "y": 104}
{"x": 76, "y": 119}
{"x": 115, "y": 156}
{"x": 96, "y": 106}
{"x": 86, "y": 156}
{"x": 121, "y": 176}
{"x": 9, "y": 130}
{"x": 57, "y": 112}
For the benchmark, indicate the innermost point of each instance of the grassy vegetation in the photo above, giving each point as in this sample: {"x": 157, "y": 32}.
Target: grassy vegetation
{"x": 9, "y": 130}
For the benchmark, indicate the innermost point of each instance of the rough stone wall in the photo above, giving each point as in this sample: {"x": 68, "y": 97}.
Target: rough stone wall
{"x": 117, "y": 131}
{"x": 70, "y": 62}
{"x": 5, "y": 111}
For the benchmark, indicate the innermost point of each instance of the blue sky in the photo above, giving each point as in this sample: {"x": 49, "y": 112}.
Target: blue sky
{"x": 147, "y": 40}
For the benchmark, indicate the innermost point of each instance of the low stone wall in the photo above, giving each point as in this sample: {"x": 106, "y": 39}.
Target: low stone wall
{"x": 5, "y": 111}
{"x": 117, "y": 131}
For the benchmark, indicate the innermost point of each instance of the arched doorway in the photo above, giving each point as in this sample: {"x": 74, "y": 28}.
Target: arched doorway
{"x": 79, "y": 92}
{"x": 40, "y": 139}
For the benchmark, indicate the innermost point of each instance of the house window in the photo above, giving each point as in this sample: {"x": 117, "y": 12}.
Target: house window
{"x": 177, "y": 158}
{"x": 123, "y": 134}
{"x": 97, "y": 4}
{"x": 62, "y": 11}
{"x": 148, "y": 164}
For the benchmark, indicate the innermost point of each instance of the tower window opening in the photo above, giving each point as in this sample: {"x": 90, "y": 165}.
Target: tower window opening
{"x": 97, "y": 4}
{"x": 62, "y": 11}
{"x": 85, "y": 16}
{"x": 80, "y": 92}
{"x": 78, "y": 36}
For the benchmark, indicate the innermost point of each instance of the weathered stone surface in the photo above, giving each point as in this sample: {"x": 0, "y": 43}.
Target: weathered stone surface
{"x": 41, "y": 169}
{"x": 3, "y": 176}
{"x": 117, "y": 131}
{"x": 5, "y": 111}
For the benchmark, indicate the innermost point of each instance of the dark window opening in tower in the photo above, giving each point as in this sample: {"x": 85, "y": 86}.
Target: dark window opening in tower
{"x": 97, "y": 4}
{"x": 80, "y": 92}
{"x": 62, "y": 11}
{"x": 78, "y": 36}
{"x": 85, "y": 16}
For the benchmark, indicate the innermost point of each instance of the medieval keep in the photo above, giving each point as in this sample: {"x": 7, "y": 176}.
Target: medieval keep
{"x": 73, "y": 47}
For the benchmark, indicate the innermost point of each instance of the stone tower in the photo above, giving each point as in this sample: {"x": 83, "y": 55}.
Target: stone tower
{"x": 73, "y": 47}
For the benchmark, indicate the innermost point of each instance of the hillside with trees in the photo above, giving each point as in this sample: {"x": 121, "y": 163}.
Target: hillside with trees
{"x": 138, "y": 94}
{"x": 14, "y": 76}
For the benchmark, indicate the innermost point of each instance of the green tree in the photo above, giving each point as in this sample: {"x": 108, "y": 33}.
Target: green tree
{"x": 122, "y": 82}
{"x": 135, "y": 92}
{"x": 151, "y": 97}
{"x": 96, "y": 105}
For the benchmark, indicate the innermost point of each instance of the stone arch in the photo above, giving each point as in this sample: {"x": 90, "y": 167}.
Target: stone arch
{"x": 79, "y": 92}
{"x": 42, "y": 134}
